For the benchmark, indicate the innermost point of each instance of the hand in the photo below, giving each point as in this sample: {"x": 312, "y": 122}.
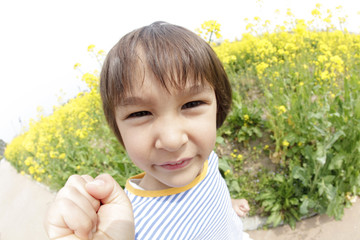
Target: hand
{"x": 87, "y": 208}
{"x": 241, "y": 207}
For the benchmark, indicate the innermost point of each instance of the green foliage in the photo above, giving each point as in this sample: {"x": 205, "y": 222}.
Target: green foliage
{"x": 303, "y": 89}
{"x": 244, "y": 122}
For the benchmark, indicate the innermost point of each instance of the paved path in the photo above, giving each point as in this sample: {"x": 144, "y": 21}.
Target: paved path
{"x": 23, "y": 204}
{"x": 320, "y": 227}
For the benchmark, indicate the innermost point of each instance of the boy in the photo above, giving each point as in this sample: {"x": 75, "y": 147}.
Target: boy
{"x": 164, "y": 94}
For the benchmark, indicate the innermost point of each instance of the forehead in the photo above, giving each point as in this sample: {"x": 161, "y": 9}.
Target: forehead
{"x": 149, "y": 84}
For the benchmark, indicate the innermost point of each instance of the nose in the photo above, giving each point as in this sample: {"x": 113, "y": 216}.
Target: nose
{"x": 171, "y": 135}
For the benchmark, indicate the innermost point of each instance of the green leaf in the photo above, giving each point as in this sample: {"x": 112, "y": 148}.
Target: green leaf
{"x": 294, "y": 201}
{"x": 279, "y": 178}
{"x": 219, "y": 140}
{"x": 304, "y": 207}
{"x": 235, "y": 186}
{"x": 274, "y": 218}
{"x": 291, "y": 138}
{"x": 301, "y": 174}
{"x": 336, "y": 162}
{"x": 321, "y": 154}
{"x": 224, "y": 165}
{"x": 258, "y": 132}
{"x": 328, "y": 179}
{"x": 334, "y": 138}
{"x": 328, "y": 189}
{"x": 276, "y": 207}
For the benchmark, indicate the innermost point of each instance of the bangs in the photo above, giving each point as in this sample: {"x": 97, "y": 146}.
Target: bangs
{"x": 172, "y": 54}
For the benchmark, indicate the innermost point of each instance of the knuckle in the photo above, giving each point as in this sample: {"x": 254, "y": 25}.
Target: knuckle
{"x": 73, "y": 179}
{"x": 66, "y": 192}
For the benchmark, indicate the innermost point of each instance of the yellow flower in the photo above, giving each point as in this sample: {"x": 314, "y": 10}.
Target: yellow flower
{"x": 77, "y": 167}
{"x": 28, "y": 161}
{"x": 289, "y": 13}
{"x": 91, "y": 48}
{"x": 62, "y": 156}
{"x": 315, "y": 12}
{"x": 227, "y": 172}
{"x": 31, "y": 170}
{"x": 257, "y": 18}
{"x": 239, "y": 157}
{"x": 77, "y": 65}
{"x": 249, "y": 26}
{"x": 22, "y": 173}
{"x": 53, "y": 154}
{"x": 266, "y": 147}
{"x": 246, "y": 117}
{"x": 281, "y": 109}
{"x": 285, "y": 143}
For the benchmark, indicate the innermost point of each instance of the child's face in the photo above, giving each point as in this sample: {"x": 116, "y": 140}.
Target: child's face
{"x": 168, "y": 135}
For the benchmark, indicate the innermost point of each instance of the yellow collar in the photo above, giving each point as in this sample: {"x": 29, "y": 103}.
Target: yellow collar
{"x": 168, "y": 191}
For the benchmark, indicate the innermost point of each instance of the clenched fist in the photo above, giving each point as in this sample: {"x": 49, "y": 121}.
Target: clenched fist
{"x": 87, "y": 208}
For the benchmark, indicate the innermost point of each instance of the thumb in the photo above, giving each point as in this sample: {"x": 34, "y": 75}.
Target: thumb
{"x": 115, "y": 215}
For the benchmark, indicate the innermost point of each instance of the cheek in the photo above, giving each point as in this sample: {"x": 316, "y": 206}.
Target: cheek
{"x": 205, "y": 130}
{"x": 134, "y": 142}
{"x": 136, "y": 150}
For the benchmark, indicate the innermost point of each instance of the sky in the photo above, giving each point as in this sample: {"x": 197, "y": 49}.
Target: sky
{"x": 42, "y": 40}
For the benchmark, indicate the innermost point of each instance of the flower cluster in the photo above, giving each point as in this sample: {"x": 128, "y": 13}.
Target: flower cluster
{"x": 209, "y": 29}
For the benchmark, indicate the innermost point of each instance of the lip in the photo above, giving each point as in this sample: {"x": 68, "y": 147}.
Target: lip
{"x": 177, "y": 164}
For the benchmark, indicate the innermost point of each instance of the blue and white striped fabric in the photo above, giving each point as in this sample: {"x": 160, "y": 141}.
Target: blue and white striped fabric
{"x": 201, "y": 212}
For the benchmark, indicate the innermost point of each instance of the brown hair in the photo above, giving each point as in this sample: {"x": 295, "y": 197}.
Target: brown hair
{"x": 173, "y": 54}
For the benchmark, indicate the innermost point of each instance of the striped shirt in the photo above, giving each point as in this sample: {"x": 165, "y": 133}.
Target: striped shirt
{"x": 199, "y": 210}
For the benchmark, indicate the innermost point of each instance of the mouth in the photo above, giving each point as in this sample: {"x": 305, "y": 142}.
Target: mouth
{"x": 176, "y": 165}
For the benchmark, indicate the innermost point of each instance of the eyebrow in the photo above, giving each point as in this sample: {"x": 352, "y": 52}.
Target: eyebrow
{"x": 132, "y": 100}
{"x": 137, "y": 100}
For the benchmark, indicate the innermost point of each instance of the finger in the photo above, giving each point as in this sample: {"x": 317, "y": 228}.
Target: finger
{"x": 87, "y": 178}
{"x": 105, "y": 188}
{"x": 115, "y": 215}
{"x": 65, "y": 218}
{"x": 79, "y": 183}
{"x": 71, "y": 193}
{"x": 239, "y": 212}
{"x": 245, "y": 208}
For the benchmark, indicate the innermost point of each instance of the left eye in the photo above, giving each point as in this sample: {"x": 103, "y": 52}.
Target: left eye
{"x": 191, "y": 104}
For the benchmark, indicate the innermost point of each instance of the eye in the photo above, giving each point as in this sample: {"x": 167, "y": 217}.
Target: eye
{"x": 139, "y": 114}
{"x": 192, "y": 104}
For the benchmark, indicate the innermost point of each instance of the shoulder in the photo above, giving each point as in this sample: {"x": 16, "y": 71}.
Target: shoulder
{"x": 213, "y": 160}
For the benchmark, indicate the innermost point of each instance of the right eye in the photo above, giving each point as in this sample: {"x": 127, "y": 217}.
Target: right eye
{"x": 139, "y": 114}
